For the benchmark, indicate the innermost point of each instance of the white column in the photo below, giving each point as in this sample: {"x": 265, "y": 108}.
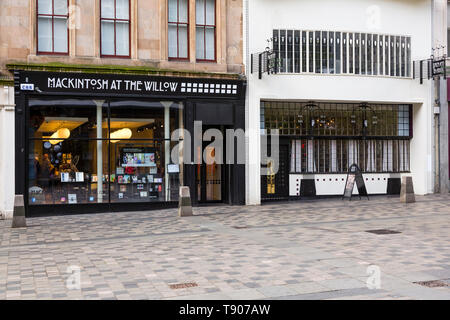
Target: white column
{"x": 7, "y": 152}
{"x": 99, "y": 104}
{"x": 166, "y": 105}
{"x": 253, "y": 146}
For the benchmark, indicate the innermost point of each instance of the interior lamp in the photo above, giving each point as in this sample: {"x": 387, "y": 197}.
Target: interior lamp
{"x": 124, "y": 133}
{"x": 59, "y": 136}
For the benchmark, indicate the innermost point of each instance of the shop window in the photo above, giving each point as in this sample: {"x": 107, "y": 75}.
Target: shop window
{"x": 96, "y": 151}
{"x": 115, "y": 28}
{"x": 178, "y": 29}
{"x": 329, "y": 137}
{"x": 403, "y": 120}
{"x": 67, "y": 172}
{"x": 52, "y": 28}
{"x": 205, "y": 39}
{"x": 336, "y": 156}
{"x": 337, "y": 119}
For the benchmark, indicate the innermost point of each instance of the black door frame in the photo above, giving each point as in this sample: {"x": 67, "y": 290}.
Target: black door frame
{"x": 283, "y": 143}
{"x": 224, "y": 171}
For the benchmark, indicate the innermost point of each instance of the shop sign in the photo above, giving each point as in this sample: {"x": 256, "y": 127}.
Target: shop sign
{"x": 126, "y": 84}
{"x": 27, "y": 87}
{"x": 355, "y": 176}
{"x": 439, "y": 68}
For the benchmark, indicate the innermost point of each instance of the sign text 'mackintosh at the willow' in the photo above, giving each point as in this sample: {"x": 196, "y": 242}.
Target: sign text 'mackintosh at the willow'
{"x": 126, "y": 84}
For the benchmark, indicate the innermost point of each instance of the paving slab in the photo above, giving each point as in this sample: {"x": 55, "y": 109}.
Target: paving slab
{"x": 297, "y": 250}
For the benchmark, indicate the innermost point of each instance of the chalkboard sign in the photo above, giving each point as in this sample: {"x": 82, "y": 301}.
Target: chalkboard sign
{"x": 355, "y": 175}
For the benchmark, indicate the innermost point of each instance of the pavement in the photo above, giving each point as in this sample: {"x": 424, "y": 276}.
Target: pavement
{"x": 295, "y": 250}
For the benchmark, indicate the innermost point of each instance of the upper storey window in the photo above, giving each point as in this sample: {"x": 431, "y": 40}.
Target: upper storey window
{"x": 205, "y": 30}
{"x": 52, "y": 29}
{"x": 178, "y": 30}
{"x": 115, "y": 28}
{"x": 343, "y": 53}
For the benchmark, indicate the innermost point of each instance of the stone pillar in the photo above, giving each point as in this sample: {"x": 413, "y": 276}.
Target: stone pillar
{"x": 19, "y": 213}
{"x": 166, "y": 105}
{"x": 407, "y": 190}
{"x": 99, "y": 104}
{"x": 7, "y": 152}
{"x": 184, "y": 203}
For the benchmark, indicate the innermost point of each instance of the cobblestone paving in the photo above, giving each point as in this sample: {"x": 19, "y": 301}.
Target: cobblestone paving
{"x": 296, "y": 250}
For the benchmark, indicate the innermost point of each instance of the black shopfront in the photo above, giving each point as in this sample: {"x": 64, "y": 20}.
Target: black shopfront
{"x": 102, "y": 142}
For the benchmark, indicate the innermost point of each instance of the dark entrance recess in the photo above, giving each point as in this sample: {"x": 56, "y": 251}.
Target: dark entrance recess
{"x": 216, "y": 183}
{"x": 211, "y": 178}
{"x": 276, "y": 186}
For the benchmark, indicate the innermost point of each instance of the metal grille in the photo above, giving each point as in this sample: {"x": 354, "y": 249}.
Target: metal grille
{"x": 433, "y": 284}
{"x": 383, "y": 231}
{"x": 342, "y": 53}
{"x": 183, "y": 285}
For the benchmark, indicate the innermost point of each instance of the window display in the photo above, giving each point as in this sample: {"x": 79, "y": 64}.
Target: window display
{"x": 87, "y": 151}
{"x": 139, "y": 172}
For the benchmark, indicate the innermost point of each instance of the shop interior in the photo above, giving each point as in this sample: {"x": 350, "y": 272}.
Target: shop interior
{"x": 73, "y": 159}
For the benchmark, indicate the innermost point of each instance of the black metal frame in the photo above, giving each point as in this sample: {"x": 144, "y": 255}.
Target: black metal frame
{"x": 312, "y": 106}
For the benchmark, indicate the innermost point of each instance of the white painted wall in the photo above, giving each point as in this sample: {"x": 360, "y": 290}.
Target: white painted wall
{"x": 6, "y": 152}
{"x": 407, "y": 17}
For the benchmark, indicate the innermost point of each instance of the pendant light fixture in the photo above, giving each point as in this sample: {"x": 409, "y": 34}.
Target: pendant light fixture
{"x": 124, "y": 133}
{"x": 59, "y": 136}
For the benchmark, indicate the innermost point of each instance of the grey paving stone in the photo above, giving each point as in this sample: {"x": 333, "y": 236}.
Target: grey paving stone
{"x": 276, "y": 291}
{"x": 322, "y": 245}
{"x": 245, "y": 294}
{"x": 340, "y": 284}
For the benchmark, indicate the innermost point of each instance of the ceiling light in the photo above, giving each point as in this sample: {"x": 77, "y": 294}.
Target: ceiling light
{"x": 62, "y": 133}
{"x": 124, "y": 133}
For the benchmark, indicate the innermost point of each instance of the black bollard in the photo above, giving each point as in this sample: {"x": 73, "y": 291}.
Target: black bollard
{"x": 19, "y": 213}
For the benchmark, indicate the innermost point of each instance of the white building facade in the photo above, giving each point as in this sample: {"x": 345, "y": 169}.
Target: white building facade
{"x": 345, "y": 91}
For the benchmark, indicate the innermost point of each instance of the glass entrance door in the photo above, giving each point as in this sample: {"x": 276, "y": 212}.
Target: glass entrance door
{"x": 210, "y": 176}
